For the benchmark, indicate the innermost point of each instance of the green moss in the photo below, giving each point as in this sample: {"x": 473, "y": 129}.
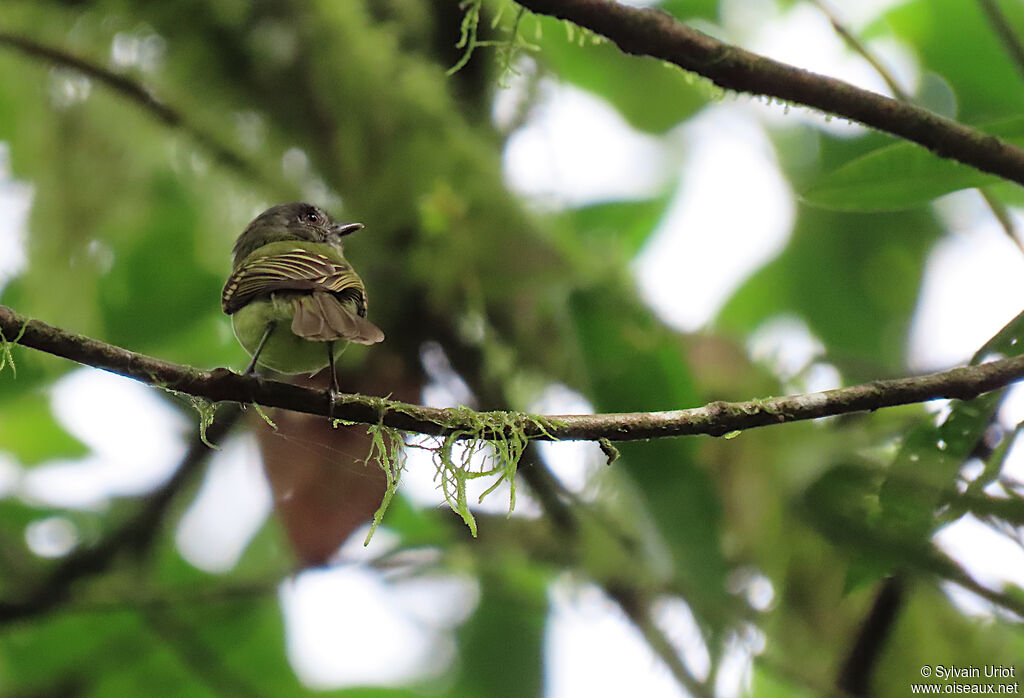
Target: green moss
{"x": 387, "y": 449}
{"x": 611, "y": 453}
{"x": 493, "y": 444}
{"x": 206, "y": 410}
{"x": 6, "y": 357}
{"x": 264, "y": 416}
{"x": 467, "y": 37}
{"x": 508, "y": 49}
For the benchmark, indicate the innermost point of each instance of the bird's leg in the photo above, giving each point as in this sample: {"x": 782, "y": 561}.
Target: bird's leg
{"x": 251, "y": 368}
{"x": 334, "y": 389}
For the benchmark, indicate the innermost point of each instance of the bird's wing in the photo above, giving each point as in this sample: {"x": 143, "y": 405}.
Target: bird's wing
{"x": 322, "y": 317}
{"x": 295, "y": 270}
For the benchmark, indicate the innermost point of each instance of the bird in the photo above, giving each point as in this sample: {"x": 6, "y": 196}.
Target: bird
{"x": 294, "y": 300}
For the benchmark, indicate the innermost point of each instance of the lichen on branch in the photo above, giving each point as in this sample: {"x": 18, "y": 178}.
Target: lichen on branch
{"x": 480, "y": 445}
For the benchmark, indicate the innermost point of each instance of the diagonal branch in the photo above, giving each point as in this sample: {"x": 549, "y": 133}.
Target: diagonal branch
{"x": 638, "y": 610}
{"x": 1002, "y": 28}
{"x": 653, "y": 33}
{"x": 859, "y": 665}
{"x": 857, "y": 45}
{"x": 140, "y": 95}
{"x": 716, "y": 419}
{"x": 999, "y": 210}
{"x": 134, "y": 535}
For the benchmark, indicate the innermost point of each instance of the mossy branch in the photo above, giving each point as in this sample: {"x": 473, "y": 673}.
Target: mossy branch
{"x": 716, "y": 419}
{"x": 656, "y": 34}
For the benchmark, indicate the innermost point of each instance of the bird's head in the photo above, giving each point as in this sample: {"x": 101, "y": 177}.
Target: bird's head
{"x": 293, "y": 221}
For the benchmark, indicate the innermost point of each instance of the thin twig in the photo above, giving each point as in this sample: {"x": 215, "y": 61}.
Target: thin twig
{"x": 638, "y": 610}
{"x": 859, "y": 667}
{"x": 653, "y": 33}
{"x": 140, "y": 95}
{"x": 1011, "y": 42}
{"x": 204, "y": 663}
{"x": 555, "y": 501}
{"x": 946, "y": 569}
{"x": 1000, "y": 211}
{"x": 716, "y": 418}
{"x": 136, "y": 534}
{"x": 854, "y": 43}
{"x": 1004, "y": 218}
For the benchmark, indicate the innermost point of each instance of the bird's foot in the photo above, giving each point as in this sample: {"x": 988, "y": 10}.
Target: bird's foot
{"x": 333, "y": 395}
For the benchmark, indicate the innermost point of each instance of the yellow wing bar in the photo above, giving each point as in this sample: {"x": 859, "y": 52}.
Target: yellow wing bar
{"x": 297, "y": 270}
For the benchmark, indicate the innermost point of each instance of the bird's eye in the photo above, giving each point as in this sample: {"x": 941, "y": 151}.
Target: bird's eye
{"x": 310, "y": 217}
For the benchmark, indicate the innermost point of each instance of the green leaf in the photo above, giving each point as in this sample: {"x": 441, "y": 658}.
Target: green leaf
{"x": 619, "y": 225}
{"x": 932, "y": 631}
{"x": 921, "y": 477}
{"x": 954, "y": 39}
{"x": 843, "y": 506}
{"x": 853, "y": 278}
{"x": 887, "y": 518}
{"x": 157, "y": 287}
{"x": 766, "y": 683}
{"x": 902, "y": 176}
{"x": 90, "y": 652}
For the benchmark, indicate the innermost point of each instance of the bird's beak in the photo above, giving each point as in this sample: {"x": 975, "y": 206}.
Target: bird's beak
{"x": 343, "y": 229}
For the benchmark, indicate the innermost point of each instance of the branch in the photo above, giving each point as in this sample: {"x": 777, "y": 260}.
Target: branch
{"x": 854, "y": 43}
{"x": 859, "y": 666}
{"x": 716, "y": 419}
{"x": 653, "y": 33}
{"x": 565, "y": 520}
{"x": 137, "y": 93}
{"x": 999, "y": 210}
{"x": 136, "y": 534}
{"x": 205, "y": 663}
{"x": 638, "y": 610}
{"x": 1002, "y": 27}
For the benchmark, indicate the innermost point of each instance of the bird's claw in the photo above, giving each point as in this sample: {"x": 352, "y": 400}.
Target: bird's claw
{"x": 333, "y": 395}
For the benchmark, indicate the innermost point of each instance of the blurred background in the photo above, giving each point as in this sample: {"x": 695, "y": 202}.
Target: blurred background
{"x": 553, "y": 227}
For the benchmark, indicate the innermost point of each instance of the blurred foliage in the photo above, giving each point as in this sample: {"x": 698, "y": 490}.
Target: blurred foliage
{"x": 626, "y": 82}
{"x": 348, "y": 104}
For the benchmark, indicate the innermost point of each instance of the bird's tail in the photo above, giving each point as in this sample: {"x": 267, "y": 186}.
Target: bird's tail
{"x": 322, "y": 317}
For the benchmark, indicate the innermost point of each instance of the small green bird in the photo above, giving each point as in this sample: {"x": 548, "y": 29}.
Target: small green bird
{"x": 295, "y": 302}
